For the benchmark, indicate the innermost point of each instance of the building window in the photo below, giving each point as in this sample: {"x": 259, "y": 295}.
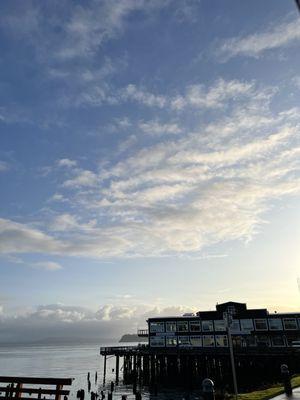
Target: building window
{"x": 195, "y": 326}
{"x": 250, "y": 340}
{"x": 261, "y": 324}
{"x": 235, "y": 325}
{"x": 290, "y": 323}
{"x": 183, "y": 341}
{"x": 221, "y": 341}
{"x": 275, "y": 324}
{"x": 278, "y": 341}
{"x": 219, "y": 325}
{"x": 171, "y": 326}
{"x": 182, "y": 326}
{"x": 196, "y": 341}
{"x": 171, "y": 341}
{"x": 246, "y": 325}
{"x": 157, "y": 327}
{"x": 208, "y": 340}
{"x": 207, "y": 326}
{"x": 157, "y": 341}
{"x": 263, "y": 341}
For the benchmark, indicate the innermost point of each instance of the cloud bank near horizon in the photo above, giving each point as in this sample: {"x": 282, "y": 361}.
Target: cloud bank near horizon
{"x": 59, "y": 322}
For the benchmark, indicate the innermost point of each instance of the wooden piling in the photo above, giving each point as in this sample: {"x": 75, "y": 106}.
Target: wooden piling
{"x": 117, "y": 368}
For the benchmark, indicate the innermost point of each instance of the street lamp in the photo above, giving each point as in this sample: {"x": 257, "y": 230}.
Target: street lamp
{"x": 227, "y": 317}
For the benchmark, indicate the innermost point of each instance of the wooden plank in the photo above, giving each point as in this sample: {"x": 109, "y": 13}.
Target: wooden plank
{"x": 36, "y": 381}
{"x": 35, "y": 391}
{"x": 24, "y": 398}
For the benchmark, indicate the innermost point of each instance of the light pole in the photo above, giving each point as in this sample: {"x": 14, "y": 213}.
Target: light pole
{"x": 228, "y": 322}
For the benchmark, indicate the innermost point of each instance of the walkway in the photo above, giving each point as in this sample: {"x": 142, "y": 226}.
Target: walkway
{"x": 296, "y": 395}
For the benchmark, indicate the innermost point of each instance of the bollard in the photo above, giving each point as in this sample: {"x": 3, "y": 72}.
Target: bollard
{"x": 285, "y": 373}
{"x": 134, "y": 386}
{"x": 208, "y": 389}
{"x": 138, "y": 396}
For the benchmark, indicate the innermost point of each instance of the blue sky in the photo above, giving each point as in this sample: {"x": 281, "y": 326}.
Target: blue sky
{"x": 149, "y": 157}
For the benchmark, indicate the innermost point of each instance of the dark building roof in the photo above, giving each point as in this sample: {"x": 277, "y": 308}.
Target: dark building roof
{"x": 237, "y": 309}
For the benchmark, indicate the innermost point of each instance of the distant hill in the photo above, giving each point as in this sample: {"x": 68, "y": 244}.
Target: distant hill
{"x": 132, "y": 337}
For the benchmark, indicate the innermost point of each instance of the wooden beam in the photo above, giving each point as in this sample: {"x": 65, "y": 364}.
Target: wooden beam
{"x": 37, "y": 381}
{"x": 36, "y": 391}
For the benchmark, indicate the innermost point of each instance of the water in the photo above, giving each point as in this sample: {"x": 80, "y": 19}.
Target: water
{"x": 72, "y": 361}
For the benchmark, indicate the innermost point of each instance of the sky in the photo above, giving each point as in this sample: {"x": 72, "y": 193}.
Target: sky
{"x": 149, "y": 161}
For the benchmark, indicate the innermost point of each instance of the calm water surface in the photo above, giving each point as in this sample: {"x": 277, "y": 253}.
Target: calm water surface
{"x": 71, "y": 361}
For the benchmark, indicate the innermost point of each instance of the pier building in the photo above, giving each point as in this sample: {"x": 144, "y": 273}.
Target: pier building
{"x": 185, "y": 349}
{"x": 250, "y": 328}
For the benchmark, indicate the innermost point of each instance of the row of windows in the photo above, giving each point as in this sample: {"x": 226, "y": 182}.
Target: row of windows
{"x": 259, "y": 324}
{"x": 217, "y": 341}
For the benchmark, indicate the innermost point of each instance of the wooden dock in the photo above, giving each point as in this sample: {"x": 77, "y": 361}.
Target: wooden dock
{"x": 15, "y": 387}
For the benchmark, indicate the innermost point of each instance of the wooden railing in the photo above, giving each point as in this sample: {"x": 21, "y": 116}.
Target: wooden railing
{"x": 143, "y": 332}
{"x": 13, "y": 388}
{"x": 122, "y": 349}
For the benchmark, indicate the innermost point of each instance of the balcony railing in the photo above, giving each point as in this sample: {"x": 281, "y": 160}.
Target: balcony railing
{"x": 142, "y": 332}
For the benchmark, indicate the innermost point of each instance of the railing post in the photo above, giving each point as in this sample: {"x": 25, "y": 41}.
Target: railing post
{"x": 57, "y": 395}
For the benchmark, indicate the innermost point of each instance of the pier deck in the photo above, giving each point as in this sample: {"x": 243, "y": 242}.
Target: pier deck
{"x": 190, "y": 365}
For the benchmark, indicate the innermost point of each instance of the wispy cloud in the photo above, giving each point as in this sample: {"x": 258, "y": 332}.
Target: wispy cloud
{"x": 181, "y": 193}
{"x": 4, "y": 166}
{"x": 47, "y": 265}
{"x": 155, "y": 128}
{"x": 66, "y": 162}
{"x": 82, "y": 178}
{"x": 253, "y": 45}
{"x": 132, "y": 92}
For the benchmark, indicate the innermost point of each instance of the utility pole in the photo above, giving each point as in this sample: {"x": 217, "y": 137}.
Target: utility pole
{"x": 228, "y": 322}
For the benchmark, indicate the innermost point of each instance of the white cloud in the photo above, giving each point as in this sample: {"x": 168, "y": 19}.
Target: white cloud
{"x": 157, "y": 128}
{"x": 57, "y": 197}
{"x": 279, "y": 35}
{"x": 213, "y": 97}
{"x": 132, "y": 92}
{"x": 47, "y": 265}
{"x": 72, "y": 322}
{"x": 68, "y": 222}
{"x": 82, "y": 178}
{"x": 66, "y": 162}
{"x": 20, "y": 238}
{"x": 184, "y": 192}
